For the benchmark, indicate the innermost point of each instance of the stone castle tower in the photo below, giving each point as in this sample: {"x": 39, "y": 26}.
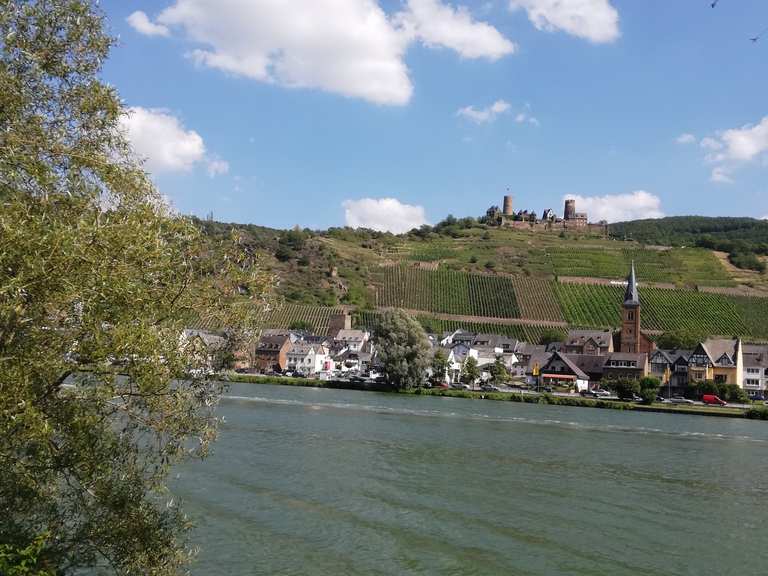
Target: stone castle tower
{"x": 631, "y": 338}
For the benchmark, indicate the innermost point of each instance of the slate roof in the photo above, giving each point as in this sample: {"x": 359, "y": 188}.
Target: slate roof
{"x": 631, "y": 296}
{"x": 578, "y": 372}
{"x": 580, "y": 337}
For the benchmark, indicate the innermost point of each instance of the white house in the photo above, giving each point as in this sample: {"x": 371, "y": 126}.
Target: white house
{"x": 352, "y": 340}
{"x": 755, "y": 374}
{"x": 307, "y": 358}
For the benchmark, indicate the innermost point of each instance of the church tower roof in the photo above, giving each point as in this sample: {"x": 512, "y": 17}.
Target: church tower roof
{"x": 632, "y": 296}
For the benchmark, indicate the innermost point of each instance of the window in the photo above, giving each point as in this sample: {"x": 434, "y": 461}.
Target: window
{"x": 720, "y": 378}
{"x": 630, "y": 315}
{"x": 752, "y": 382}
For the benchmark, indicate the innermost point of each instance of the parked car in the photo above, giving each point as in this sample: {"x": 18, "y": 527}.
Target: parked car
{"x": 680, "y": 400}
{"x": 490, "y": 388}
{"x": 599, "y": 392}
{"x": 712, "y": 400}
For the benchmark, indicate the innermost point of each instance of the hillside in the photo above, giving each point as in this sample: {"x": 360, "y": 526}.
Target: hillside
{"x": 745, "y": 240}
{"x": 515, "y": 282}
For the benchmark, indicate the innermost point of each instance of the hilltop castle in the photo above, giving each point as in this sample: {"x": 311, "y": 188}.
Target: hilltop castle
{"x": 549, "y": 221}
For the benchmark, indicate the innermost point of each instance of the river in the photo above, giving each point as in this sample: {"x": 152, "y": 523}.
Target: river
{"x": 309, "y": 481}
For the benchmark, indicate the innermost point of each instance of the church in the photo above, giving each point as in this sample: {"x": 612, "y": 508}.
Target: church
{"x": 631, "y": 339}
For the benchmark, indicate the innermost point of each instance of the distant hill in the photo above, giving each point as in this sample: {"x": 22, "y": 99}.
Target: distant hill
{"x": 743, "y": 238}
{"x": 464, "y": 272}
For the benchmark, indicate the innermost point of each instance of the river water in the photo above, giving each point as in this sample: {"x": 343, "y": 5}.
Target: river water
{"x": 326, "y": 482}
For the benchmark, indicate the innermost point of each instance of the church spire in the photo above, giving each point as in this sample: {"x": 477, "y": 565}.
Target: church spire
{"x": 631, "y": 296}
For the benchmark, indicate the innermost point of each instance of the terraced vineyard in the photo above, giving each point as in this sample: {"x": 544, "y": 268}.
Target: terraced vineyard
{"x": 683, "y": 265}
{"x": 527, "y": 333}
{"x": 754, "y": 311}
{"x": 447, "y": 292}
{"x": 536, "y": 299}
{"x": 316, "y": 316}
{"x": 715, "y": 314}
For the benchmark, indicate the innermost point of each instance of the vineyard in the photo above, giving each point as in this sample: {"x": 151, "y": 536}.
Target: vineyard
{"x": 318, "y": 317}
{"x": 536, "y": 299}
{"x": 754, "y": 311}
{"x": 447, "y": 292}
{"x": 665, "y": 310}
{"x": 675, "y": 266}
{"x": 369, "y": 319}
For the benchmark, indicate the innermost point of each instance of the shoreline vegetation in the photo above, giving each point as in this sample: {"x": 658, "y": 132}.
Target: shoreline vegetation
{"x": 754, "y": 413}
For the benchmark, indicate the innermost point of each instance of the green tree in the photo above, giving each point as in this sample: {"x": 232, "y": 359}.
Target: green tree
{"x": 301, "y": 325}
{"x": 625, "y": 388}
{"x": 97, "y": 276}
{"x": 499, "y": 372}
{"x": 404, "y": 350}
{"x": 649, "y": 389}
{"x": 549, "y": 336}
{"x": 439, "y": 366}
{"x": 470, "y": 372}
{"x": 679, "y": 340}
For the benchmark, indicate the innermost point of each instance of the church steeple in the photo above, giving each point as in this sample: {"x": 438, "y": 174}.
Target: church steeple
{"x": 630, "y": 316}
{"x": 632, "y": 296}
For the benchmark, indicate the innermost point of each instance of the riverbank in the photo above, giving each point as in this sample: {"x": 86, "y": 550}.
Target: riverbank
{"x": 755, "y": 413}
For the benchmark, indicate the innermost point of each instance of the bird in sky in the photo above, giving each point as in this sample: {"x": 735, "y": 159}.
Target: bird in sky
{"x": 756, "y": 38}
{"x": 714, "y": 3}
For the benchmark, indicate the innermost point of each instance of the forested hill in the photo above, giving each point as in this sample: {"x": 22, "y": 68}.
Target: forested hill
{"x": 688, "y": 230}
{"x": 742, "y": 238}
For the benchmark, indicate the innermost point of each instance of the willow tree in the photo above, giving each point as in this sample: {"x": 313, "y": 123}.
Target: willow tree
{"x": 98, "y": 398}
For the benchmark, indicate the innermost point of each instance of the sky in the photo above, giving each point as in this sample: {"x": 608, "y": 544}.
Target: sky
{"x": 390, "y": 114}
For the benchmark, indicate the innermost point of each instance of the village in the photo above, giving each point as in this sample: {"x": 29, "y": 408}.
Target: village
{"x": 579, "y": 364}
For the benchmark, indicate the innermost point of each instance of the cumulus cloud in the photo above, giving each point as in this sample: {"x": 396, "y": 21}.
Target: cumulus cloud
{"x": 159, "y": 138}
{"x": 593, "y": 20}
{"x": 727, "y": 150}
{"x": 348, "y": 47}
{"x": 484, "y": 115}
{"x": 439, "y": 25}
{"x": 620, "y": 207}
{"x": 142, "y": 24}
{"x": 383, "y": 214}
{"x": 686, "y": 139}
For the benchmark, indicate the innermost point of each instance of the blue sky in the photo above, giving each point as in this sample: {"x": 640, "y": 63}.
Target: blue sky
{"x": 280, "y": 116}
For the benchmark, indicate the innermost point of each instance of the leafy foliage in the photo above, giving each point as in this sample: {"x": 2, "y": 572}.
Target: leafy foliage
{"x": 403, "y": 349}
{"x": 439, "y": 365}
{"x": 470, "y": 372}
{"x": 96, "y": 277}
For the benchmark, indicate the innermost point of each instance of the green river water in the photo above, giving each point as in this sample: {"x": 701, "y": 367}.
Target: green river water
{"x": 326, "y": 482}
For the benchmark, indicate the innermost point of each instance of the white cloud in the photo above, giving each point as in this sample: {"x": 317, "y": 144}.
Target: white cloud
{"x": 483, "y": 115}
{"x": 732, "y": 148}
{"x": 620, "y": 207}
{"x": 217, "y": 166}
{"x": 721, "y": 174}
{"x": 348, "y": 47}
{"x": 437, "y": 24}
{"x": 746, "y": 143}
{"x": 523, "y": 117}
{"x": 710, "y": 144}
{"x": 142, "y": 24}
{"x": 593, "y": 20}
{"x": 686, "y": 139}
{"x": 383, "y": 214}
{"x": 160, "y": 138}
